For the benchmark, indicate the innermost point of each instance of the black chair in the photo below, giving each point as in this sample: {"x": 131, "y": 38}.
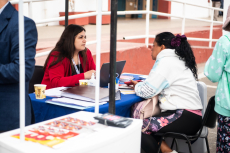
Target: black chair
{"x": 209, "y": 120}
{"x": 36, "y": 78}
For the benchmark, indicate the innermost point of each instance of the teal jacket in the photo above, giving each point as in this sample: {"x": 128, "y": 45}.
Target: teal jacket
{"x": 217, "y": 69}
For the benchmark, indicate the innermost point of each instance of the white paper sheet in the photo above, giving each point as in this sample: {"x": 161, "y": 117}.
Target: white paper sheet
{"x": 126, "y": 92}
{"x": 66, "y": 105}
{"x": 54, "y": 92}
{"x": 76, "y": 102}
{"x": 143, "y": 77}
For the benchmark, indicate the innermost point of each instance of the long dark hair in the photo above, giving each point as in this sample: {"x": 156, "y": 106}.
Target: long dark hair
{"x": 65, "y": 46}
{"x": 184, "y": 50}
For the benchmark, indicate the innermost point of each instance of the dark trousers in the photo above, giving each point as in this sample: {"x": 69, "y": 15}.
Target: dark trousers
{"x": 189, "y": 123}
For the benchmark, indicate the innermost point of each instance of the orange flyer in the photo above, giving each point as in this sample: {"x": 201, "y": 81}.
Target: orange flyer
{"x": 47, "y": 136}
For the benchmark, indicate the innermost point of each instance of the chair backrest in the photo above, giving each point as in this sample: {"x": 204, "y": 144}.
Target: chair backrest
{"x": 36, "y": 78}
{"x": 202, "y": 88}
{"x": 210, "y": 115}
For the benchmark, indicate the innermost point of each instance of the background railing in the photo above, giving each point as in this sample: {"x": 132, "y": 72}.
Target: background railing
{"x": 147, "y": 12}
{"x": 183, "y": 17}
{"x": 30, "y": 7}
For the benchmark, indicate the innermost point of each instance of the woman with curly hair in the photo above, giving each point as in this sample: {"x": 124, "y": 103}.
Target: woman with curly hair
{"x": 173, "y": 78}
{"x": 69, "y": 61}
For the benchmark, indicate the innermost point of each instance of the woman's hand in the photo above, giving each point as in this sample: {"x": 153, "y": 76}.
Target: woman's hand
{"x": 134, "y": 83}
{"x": 88, "y": 74}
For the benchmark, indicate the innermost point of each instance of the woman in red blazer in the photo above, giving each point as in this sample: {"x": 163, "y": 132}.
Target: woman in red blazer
{"x": 70, "y": 61}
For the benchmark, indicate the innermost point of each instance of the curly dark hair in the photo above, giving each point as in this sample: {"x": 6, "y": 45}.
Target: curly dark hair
{"x": 184, "y": 50}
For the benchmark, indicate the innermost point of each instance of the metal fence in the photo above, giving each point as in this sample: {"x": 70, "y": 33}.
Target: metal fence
{"x": 183, "y": 17}
{"x": 147, "y": 12}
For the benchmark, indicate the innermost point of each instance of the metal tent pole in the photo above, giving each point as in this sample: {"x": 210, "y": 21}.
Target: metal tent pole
{"x": 21, "y": 70}
{"x": 66, "y": 12}
{"x": 147, "y": 23}
{"x": 113, "y": 45}
{"x": 98, "y": 54}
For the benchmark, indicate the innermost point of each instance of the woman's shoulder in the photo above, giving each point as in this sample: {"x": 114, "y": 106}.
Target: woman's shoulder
{"x": 54, "y": 53}
{"x": 225, "y": 39}
{"x": 222, "y": 44}
{"x": 88, "y": 52}
{"x": 54, "y": 56}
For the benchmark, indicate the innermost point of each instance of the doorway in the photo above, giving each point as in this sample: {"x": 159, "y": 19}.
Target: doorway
{"x": 154, "y": 8}
{"x": 121, "y": 7}
{"x": 140, "y": 7}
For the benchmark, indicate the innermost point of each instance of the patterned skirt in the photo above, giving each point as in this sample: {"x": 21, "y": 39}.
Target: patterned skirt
{"x": 223, "y": 135}
{"x": 157, "y": 123}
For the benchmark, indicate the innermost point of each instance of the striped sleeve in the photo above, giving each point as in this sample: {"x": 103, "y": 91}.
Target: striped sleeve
{"x": 152, "y": 86}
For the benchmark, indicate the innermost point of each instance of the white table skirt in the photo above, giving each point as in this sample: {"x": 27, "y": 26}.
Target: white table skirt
{"x": 108, "y": 140}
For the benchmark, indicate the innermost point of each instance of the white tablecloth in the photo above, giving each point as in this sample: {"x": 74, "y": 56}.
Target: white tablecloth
{"x": 108, "y": 140}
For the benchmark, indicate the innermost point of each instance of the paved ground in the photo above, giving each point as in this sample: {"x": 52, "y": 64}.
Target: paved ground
{"x": 48, "y": 36}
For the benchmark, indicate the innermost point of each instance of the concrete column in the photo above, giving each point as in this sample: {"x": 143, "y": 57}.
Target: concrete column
{"x": 226, "y": 4}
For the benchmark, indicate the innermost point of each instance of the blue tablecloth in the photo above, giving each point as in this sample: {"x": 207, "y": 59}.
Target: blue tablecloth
{"x": 44, "y": 111}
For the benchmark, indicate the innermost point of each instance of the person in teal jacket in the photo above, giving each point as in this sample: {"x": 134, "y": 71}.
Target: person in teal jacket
{"x": 217, "y": 69}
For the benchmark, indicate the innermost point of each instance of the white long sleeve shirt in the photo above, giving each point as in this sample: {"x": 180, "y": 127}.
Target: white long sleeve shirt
{"x": 172, "y": 81}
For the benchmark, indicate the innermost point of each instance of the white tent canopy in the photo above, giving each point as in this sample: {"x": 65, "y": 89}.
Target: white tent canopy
{"x": 98, "y": 28}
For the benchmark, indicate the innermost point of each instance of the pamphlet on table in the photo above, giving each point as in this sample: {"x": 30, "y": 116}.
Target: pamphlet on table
{"x": 55, "y": 133}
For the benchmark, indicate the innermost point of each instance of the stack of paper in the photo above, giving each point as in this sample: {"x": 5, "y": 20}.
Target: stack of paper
{"x": 126, "y": 92}
{"x": 72, "y": 103}
{"x": 77, "y": 97}
{"x": 55, "y": 92}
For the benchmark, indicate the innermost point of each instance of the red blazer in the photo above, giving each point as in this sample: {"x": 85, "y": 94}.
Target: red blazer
{"x": 60, "y": 75}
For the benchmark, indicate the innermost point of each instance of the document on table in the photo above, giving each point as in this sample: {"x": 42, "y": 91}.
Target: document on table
{"x": 124, "y": 86}
{"x": 143, "y": 77}
{"x": 87, "y": 91}
{"x": 55, "y": 92}
{"x": 66, "y": 105}
{"x": 76, "y": 102}
{"x": 126, "y": 92}
{"x": 72, "y": 103}
{"x": 75, "y": 96}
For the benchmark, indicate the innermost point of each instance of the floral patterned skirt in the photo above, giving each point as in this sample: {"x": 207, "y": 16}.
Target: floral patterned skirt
{"x": 157, "y": 123}
{"x": 223, "y": 135}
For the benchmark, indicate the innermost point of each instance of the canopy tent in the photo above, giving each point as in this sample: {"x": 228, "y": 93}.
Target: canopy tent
{"x": 113, "y": 39}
